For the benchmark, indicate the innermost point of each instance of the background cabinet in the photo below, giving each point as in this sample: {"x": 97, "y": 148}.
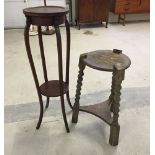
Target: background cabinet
{"x": 122, "y": 7}
{"x": 91, "y": 11}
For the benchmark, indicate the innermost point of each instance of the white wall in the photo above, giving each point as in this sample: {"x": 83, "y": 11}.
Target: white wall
{"x": 13, "y": 11}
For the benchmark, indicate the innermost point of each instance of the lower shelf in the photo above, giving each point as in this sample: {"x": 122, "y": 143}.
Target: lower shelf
{"x": 101, "y": 110}
{"x": 52, "y": 88}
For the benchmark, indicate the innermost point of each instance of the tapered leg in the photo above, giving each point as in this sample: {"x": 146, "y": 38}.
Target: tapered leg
{"x": 28, "y": 49}
{"x": 68, "y": 100}
{"x": 42, "y": 53}
{"x": 43, "y": 59}
{"x": 118, "y": 77}
{"x": 68, "y": 60}
{"x": 59, "y": 47}
{"x": 119, "y": 16}
{"x": 106, "y": 23}
{"x": 47, "y": 102}
{"x": 78, "y": 89}
{"x": 124, "y": 20}
{"x": 76, "y": 22}
{"x": 64, "y": 113}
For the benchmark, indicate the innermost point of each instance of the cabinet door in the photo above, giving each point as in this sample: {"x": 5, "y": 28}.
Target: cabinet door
{"x": 144, "y": 6}
{"x": 101, "y": 9}
{"x": 85, "y": 10}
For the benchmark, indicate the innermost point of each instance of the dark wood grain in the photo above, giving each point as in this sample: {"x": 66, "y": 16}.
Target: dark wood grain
{"x": 105, "y": 60}
{"x": 47, "y": 11}
{"x": 29, "y": 54}
{"x": 52, "y": 88}
{"x": 49, "y": 16}
{"x": 92, "y": 11}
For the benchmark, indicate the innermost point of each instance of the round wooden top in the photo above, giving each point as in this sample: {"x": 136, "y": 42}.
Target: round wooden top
{"x": 106, "y": 60}
{"x": 45, "y": 11}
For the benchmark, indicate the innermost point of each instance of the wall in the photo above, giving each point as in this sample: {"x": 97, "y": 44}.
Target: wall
{"x": 13, "y": 11}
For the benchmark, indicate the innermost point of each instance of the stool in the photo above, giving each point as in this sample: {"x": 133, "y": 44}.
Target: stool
{"x": 49, "y": 16}
{"x": 110, "y": 61}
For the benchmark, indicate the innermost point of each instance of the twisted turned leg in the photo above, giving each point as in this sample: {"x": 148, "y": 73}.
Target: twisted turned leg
{"x": 59, "y": 47}
{"x": 118, "y": 77}
{"x": 78, "y": 89}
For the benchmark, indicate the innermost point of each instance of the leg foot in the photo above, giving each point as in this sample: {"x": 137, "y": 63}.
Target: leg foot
{"x": 64, "y": 113}
{"x": 75, "y": 115}
{"x": 78, "y": 24}
{"x": 40, "y": 118}
{"x": 47, "y": 102}
{"x": 114, "y": 135}
{"x": 106, "y": 24}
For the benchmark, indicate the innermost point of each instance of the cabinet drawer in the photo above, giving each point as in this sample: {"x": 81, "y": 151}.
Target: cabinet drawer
{"x": 126, "y": 6}
{"x": 127, "y": 1}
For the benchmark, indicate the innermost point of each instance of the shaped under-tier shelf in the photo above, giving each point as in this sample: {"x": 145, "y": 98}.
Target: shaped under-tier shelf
{"x": 52, "y": 88}
{"x": 101, "y": 110}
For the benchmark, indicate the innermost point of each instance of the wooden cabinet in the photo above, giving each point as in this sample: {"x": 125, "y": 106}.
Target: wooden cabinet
{"x": 91, "y": 11}
{"x": 122, "y": 7}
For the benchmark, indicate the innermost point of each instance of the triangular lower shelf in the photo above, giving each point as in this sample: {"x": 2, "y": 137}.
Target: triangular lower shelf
{"x": 101, "y": 110}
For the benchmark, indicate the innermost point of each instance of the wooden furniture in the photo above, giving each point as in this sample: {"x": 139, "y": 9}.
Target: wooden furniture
{"x": 69, "y": 5}
{"x": 123, "y": 7}
{"x": 49, "y": 16}
{"x": 110, "y": 61}
{"x": 92, "y": 11}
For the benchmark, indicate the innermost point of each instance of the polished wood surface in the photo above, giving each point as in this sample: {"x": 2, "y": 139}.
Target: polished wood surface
{"x": 122, "y": 7}
{"x": 86, "y": 11}
{"x": 46, "y": 15}
{"x": 49, "y": 16}
{"x": 92, "y": 11}
{"x": 105, "y": 60}
{"x": 51, "y": 88}
{"x": 45, "y": 11}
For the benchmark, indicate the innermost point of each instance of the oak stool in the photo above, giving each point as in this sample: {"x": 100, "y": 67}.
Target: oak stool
{"x": 110, "y": 61}
{"x": 49, "y": 16}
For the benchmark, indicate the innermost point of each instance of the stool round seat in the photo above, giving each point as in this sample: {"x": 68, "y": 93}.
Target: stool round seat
{"x": 106, "y": 60}
{"x": 46, "y": 15}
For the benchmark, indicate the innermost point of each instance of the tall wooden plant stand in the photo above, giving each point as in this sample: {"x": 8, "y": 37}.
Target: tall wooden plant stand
{"x": 49, "y": 16}
{"x": 104, "y": 60}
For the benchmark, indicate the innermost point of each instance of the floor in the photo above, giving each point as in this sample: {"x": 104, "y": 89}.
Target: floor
{"x": 90, "y": 135}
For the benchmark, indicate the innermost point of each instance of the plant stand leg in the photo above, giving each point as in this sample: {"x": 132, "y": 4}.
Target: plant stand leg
{"x": 78, "y": 89}
{"x": 28, "y": 49}
{"x": 114, "y": 135}
{"x": 118, "y": 77}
